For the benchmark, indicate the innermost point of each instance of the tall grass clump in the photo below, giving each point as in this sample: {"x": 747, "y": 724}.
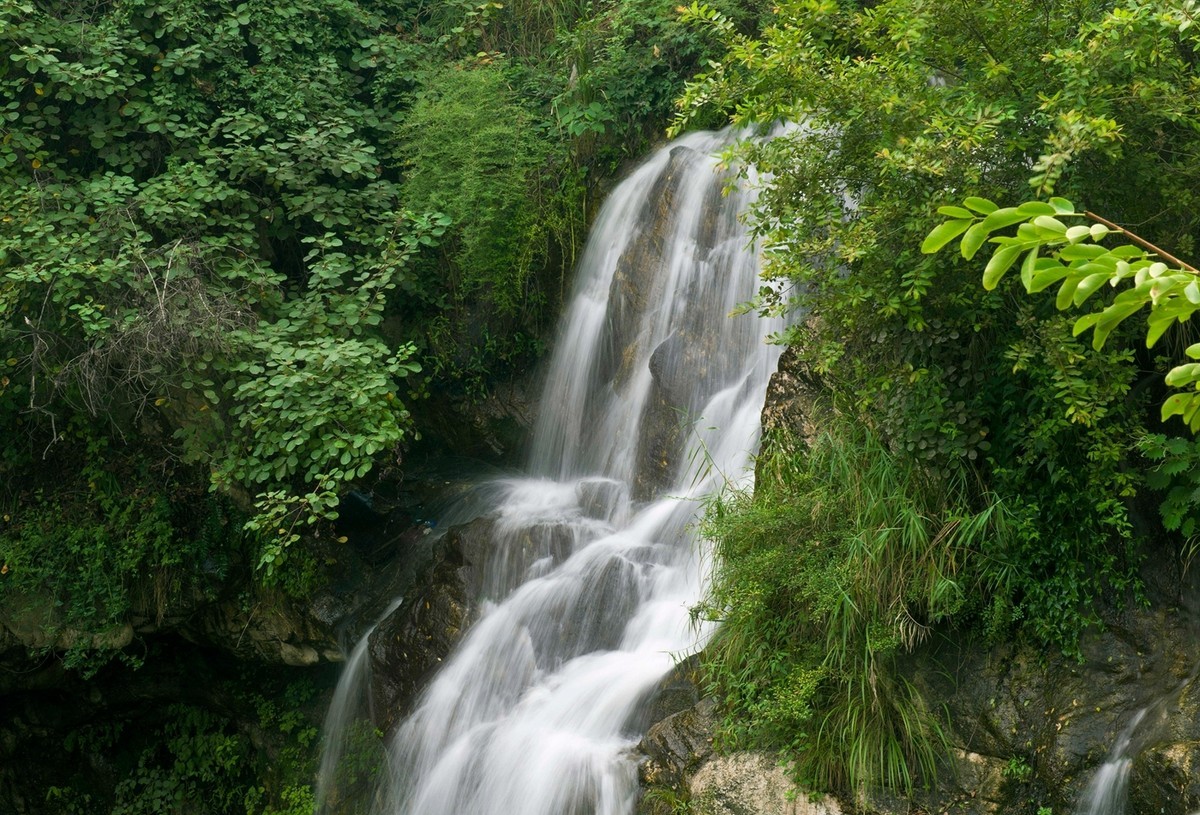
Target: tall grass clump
{"x": 845, "y": 555}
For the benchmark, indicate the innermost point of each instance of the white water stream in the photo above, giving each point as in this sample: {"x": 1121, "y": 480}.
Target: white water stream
{"x": 652, "y": 399}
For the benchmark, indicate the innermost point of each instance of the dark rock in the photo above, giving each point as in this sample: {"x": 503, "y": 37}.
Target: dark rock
{"x": 792, "y": 399}
{"x": 678, "y": 691}
{"x": 1165, "y": 780}
{"x": 603, "y": 499}
{"x": 410, "y": 644}
{"x": 676, "y": 747}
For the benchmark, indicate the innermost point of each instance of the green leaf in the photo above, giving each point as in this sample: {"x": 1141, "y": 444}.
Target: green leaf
{"x": 1066, "y": 292}
{"x": 1183, "y": 374}
{"x": 1110, "y": 318}
{"x": 1062, "y": 206}
{"x": 1002, "y": 218}
{"x": 1000, "y": 263}
{"x": 1031, "y": 208}
{"x": 980, "y": 205}
{"x": 1028, "y": 267}
{"x": 1157, "y": 326}
{"x": 956, "y": 212}
{"x": 1048, "y": 272}
{"x": 1050, "y": 224}
{"x": 943, "y": 234}
{"x": 1088, "y": 286}
{"x": 976, "y": 236}
{"x": 1176, "y": 404}
{"x": 1082, "y": 251}
{"x": 1078, "y": 232}
{"x": 1085, "y": 322}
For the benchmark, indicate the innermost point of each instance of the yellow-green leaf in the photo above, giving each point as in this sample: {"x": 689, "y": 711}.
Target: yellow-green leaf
{"x": 943, "y": 234}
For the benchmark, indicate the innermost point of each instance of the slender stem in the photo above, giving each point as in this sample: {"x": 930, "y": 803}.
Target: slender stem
{"x": 1145, "y": 244}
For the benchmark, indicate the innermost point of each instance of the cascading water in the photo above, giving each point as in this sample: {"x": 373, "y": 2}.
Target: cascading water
{"x": 1108, "y": 791}
{"x": 652, "y": 398}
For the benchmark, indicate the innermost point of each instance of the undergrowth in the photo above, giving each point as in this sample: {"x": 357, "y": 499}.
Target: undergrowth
{"x": 844, "y": 555}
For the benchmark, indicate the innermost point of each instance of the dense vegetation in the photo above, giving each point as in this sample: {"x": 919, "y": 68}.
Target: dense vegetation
{"x": 969, "y": 403}
{"x": 249, "y": 253}
{"x": 242, "y": 243}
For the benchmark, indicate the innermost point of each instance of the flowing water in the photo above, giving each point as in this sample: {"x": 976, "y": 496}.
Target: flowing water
{"x": 652, "y": 401}
{"x": 1108, "y": 791}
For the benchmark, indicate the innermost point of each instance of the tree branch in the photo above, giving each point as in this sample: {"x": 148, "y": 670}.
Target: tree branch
{"x": 1145, "y": 244}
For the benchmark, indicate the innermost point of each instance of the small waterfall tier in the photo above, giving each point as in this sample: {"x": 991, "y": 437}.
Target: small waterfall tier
{"x": 652, "y": 401}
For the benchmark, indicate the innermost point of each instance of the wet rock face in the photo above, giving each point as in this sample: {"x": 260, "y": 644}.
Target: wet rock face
{"x": 688, "y": 362}
{"x": 1165, "y": 780}
{"x": 1060, "y": 718}
{"x": 792, "y": 397}
{"x": 409, "y": 646}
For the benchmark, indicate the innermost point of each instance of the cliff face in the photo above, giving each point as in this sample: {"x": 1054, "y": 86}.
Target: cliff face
{"x": 1028, "y": 730}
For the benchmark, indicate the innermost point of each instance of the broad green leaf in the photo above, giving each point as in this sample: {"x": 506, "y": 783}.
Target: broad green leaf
{"x": 943, "y": 234}
{"x": 1085, "y": 322}
{"x": 1082, "y": 251}
{"x": 1050, "y": 224}
{"x": 1031, "y": 208}
{"x": 1062, "y": 206}
{"x": 1078, "y": 233}
{"x": 1000, "y": 263}
{"x": 1066, "y": 292}
{"x": 1183, "y": 374}
{"x": 1109, "y": 319}
{"x": 1176, "y": 404}
{"x": 1193, "y": 351}
{"x": 1048, "y": 273}
{"x": 1156, "y": 327}
{"x": 1088, "y": 286}
{"x": 980, "y": 205}
{"x": 956, "y": 212}
{"x": 975, "y": 238}
{"x": 1002, "y": 218}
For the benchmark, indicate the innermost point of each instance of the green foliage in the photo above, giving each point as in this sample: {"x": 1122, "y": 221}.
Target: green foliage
{"x": 846, "y": 555}
{"x": 627, "y": 63}
{"x": 1081, "y": 267}
{"x": 196, "y": 762}
{"x": 201, "y": 229}
{"x": 1017, "y": 769}
{"x": 470, "y": 151}
{"x": 906, "y": 105}
{"x": 660, "y": 800}
{"x": 81, "y": 552}
{"x": 254, "y": 754}
{"x": 1176, "y": 476}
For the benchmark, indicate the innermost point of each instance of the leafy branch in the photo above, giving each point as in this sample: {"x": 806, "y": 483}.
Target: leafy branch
{"x": 1051, "y": 252}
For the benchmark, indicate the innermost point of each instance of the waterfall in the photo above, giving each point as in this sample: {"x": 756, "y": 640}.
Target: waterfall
{"x": 652, "y": 402}
{"x": 1107, "y": 793}
{"x": 345, "y": 709}
{"x": 1108, "y": 790}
